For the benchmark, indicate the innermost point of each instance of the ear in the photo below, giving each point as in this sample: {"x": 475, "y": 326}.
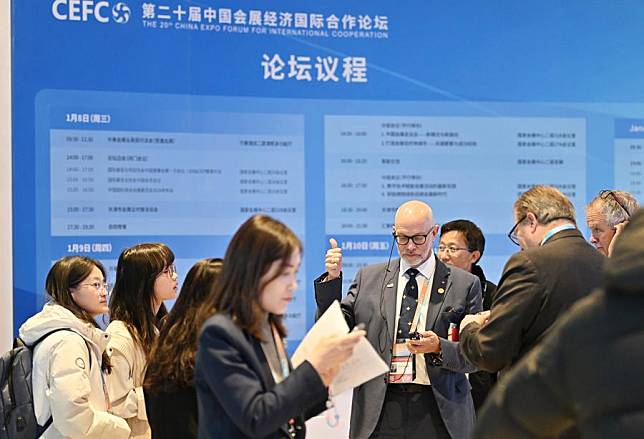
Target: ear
{"x": 72, "y": 293}
{"x": 533, "y": 222}
{"x": 476, "y": 255}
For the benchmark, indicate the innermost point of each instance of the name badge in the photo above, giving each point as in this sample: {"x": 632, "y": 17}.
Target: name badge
{"x": 403, "y": 365}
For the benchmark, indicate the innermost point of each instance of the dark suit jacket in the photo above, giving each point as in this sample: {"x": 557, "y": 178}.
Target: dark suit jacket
{"x": 489, "y": 288}
{"x": 371, "y": 300}
{"x": 237, "y": 396}
{"x": 586, "y": 374}
{"x": 536, "y": 287}
{"x": 482, "y": 382}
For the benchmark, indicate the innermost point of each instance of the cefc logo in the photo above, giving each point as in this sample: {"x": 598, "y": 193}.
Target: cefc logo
{"x": 86, "y": 10}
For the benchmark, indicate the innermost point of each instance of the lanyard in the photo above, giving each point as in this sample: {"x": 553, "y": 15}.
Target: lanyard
{"x": 421, "y": 299}
{"x": 291, "y": 425}
{"x": 281, "y": 355}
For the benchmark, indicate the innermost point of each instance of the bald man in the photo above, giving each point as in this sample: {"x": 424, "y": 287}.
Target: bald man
{"x": 426, "y": 393}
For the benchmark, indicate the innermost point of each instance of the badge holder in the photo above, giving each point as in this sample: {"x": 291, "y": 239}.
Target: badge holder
{"x": 402, "y": 369}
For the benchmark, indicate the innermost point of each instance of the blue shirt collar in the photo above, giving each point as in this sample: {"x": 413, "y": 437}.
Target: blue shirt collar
{"x": 556, "y": 230}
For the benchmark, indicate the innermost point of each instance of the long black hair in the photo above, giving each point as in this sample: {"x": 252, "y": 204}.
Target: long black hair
{"x": 171, "y": 362}
{"x": 133, "y": 293}
{"x": 259, "y": 242}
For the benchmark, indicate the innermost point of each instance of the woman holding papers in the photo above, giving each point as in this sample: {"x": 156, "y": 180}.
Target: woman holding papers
{"x": 245, "y": 384}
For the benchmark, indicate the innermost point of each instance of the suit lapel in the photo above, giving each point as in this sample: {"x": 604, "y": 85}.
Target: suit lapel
{"x": 440, "y": 289}
{"x": 390, "y": 293}
{"x": 263, "y": 369}
{"x": 265, "y": 373}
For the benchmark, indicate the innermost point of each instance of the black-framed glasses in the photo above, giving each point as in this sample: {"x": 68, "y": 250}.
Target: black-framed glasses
{"x": 98, "y": 286}
{"x": 607, "y": 194}
{"x": 450, "y": 249}
{"x": 416, "y": 239}
{"x": 512, "y": 234}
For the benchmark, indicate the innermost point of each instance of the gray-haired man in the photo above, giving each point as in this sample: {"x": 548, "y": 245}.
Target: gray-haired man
{"x": 606, "y": 216}
{"x": 556, "y": 267}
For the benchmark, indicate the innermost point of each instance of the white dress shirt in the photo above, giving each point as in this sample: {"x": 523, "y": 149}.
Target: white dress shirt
{"x": 425, "y": 275}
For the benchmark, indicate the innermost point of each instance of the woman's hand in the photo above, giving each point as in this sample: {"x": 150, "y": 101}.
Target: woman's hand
{"x": 331, "y": 352}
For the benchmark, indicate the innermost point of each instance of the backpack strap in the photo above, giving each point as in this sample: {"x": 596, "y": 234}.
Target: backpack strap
{"x": 41, "y": 429}
{"x": 34, "y": 344}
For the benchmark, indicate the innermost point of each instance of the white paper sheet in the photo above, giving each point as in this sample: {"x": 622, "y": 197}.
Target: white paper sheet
{"x": 363, "y": 365}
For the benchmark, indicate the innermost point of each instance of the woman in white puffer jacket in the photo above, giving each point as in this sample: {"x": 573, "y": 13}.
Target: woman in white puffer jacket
{"x": 68, "y": 366}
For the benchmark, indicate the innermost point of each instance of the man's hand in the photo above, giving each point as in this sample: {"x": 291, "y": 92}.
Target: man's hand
{"x": 619, "y": 228}
{"x": 429, "y": 343}
{"x": 333, "y": 261}
{"x": 480, "y": 318}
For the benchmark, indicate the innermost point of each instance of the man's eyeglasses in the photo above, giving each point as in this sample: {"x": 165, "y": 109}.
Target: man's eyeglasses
{"x": 607, "y": 194}
{"x": 450, "y": 250}
{"x": 416, "y": 239}
{"x": 513, "y": 232}
{"x": 98, "y": 286}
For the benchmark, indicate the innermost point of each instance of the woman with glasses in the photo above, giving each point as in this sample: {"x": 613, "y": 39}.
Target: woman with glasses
{"x": 170, "y": 395}
{"x": 69, "y": 360}
{"x": 145, "y": 277}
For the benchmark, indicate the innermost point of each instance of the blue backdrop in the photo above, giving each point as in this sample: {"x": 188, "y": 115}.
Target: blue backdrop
{"x": 174, "y": 121}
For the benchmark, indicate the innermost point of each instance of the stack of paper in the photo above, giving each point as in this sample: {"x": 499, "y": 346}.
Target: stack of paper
{"x": 363, "y": 365}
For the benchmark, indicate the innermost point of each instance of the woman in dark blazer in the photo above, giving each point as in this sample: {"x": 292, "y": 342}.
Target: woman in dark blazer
{"x": 170, "y": 396}
{"x": 246, "y": 387}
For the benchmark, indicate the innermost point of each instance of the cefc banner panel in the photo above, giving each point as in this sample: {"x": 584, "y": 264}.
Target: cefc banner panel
{"x": 174, "y": 121}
